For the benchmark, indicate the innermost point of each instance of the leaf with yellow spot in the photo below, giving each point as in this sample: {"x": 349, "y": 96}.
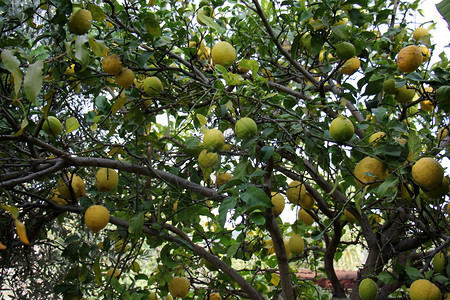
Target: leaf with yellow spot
{"x": 202, "y": 119}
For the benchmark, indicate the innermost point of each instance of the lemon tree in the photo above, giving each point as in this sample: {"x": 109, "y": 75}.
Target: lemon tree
{"x": 213, "y": 149}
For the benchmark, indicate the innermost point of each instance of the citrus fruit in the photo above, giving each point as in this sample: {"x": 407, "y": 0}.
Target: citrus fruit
{"x": 341, "y": 129}
{"x": 152, "y": 86}
{"x": 213, "y": 140}
{"x": 439, "y": 262}
{"x": 112, "y": 64}
{"x": 350, "y": 66}
{"x": 223, "y": 178}
{"x": 439, "y": 191}
{"x": 419, "y": 32}
{"x": 215, "y": 296}
{"x": 245, "y": 128}
{"x": 296, "y": 244}
{"x": 423, "y": 289}
{"x": 204, "y": 11}
{"x": 367, "y": 289}
{"x": 409, "y": 59}
{"x": 96, "y": 217}
{"x": 125, "y": 78}
{"x": 404, "y": 94}
{"x": 443, "y": 94}
{"x": 106, "y": 179}
{"x": 223, "y": 54}
{"x": 442, "y": 134}
{"x": 76, "y": 183}
{"x": 286, "y": 246}
{"x": 368, "y": 170}
{"x": 201, "y": 49}
{"x": 52, "y": 126}
{"x": 295, "y": 192}
{"x": 179, "y": 286}
{"x": 350, "y": 217}
{"x": 307, "y": 201}
{"x": 427, "y": 173}
{"x": 152, "y": 296}
{"x": 278, "y": 203}
{"x": 80, "y": 22}
{"x": 305, "y": 217}
{"x": 207, "y": 159}
{"x": 345, "y": 50}
{"x": 376, "y": 137}
{"x": 426, "y": 105}
{"x": 389, "y": 86}
{"x": 425, "y": 53}
{"x": 56, "y": 197}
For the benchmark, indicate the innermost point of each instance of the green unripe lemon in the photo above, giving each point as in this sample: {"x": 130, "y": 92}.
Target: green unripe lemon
{"x": 367, "y": 289}
{"x": 404, "y": 95}
{"x": 345, "y": 50}
{"x": 443, "y": 94}
{"x": 80, "y": 22}
{"x": 152, "y": 86}
{"x": 296, "y": 244}
{"x": 213, "y": 140}
{"x": 223, "y": 53}
{"x": 245, "y": 128}
{"x": 52, "y": 126}
{"x": 207, "y": 159}
{"x": 439, "y": 262}
{"x": 389, "y": 86}
{"x": 341, "y": 129}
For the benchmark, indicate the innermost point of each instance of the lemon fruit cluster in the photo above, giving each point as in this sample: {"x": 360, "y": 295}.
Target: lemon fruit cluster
{"x": 106, "y": 179}
{"x": 179, "y": 286}
{"x": 295, "y": 192}
{"x": 52, "y": 126}
{"x": 96, "y": 217}
{"x": 80, "y": 22}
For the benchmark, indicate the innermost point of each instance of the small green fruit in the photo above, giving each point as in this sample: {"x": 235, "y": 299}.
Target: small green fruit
{"x": 341, "y": 129}
{"x": 389, "y": 86}
{"x": 213, "y": 140}
{"x": 245, "y": 128}
{"x": 367, "y": 289}
{"x": 439, "y": 262}
{"x": 345, "y": 50}
{"x": 52, "y": 126}
{"x": 404, "y": 95}
{"x": 152, "y": 86}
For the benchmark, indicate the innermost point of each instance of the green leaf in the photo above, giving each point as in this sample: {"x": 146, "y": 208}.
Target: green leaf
{"x": 81, "y": 51}
{"x": 255, "y": 197}
{"x": 414, "y": 144}
{"x": 97, "y": 13}
{"x": 202, "y": 119}
{"x": 136, "y": 224}
{"x": 118, "y": 104}
{"x": 166, "y": 257}
{"x": 14, "y": 211}
{"x": 152, "y": 25}
{"x": 22, "y": 127}
{"x": 390, "y": 182}
{"x": 266, "y": 152}
{"x": 98, "y": 47}
{"x": 233, "y": 249}
{"x": 12, "y": 65}
{"x": 444, "y": 9}
{"x": 413, "y": 273}
{"x": 250, "y": 64}
{"x": 386, "y": 277}
{"x": 32, "y": 83}
{"x": 72, "y": 124}
{"x": 227, "y": 204}
{"x": 210, "y": 23}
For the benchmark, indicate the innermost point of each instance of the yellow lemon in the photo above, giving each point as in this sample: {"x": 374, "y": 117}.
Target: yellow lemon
{"x": 373, "y": 166}
{"x": 296, "y": 244}
{"x": 419, "y": 32}
{"x": 207, "y": 159}
{"x": 307, "y": 201}
{"x": 125, "y": 78}
{"x": 423, "y": 289}
{"x": 112, "y": 64}
{"x": 96, "y": 217}
{"x": 245, "y": 128}
{"x": 76, "y": 183}
{"x": 295, "y": 192}
{"x": 56, "y": 197}
{"x": 427, "y": 173}
{"x": 376, "y": 137}
{"x": 409, "y": 59}
{"x": 305, "y": 217}
{"x": 223, "y": 178}
{"x": 223, "y": 53}
{"x": 425, "y": 53}
{"x": 426, "y": 105}
{"x": 179, "y": 286}
{"x": 350, "y": 66}
{"x": 106, "y": 179}
{"x": 152, "y": 86}
{"x": 215, "y": 296}
{"x": 278, "y": 203}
